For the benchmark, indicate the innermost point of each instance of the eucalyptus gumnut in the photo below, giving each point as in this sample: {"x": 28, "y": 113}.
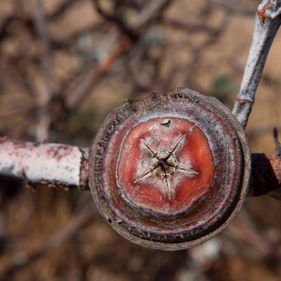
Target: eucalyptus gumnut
{"x": 170, "y": 171}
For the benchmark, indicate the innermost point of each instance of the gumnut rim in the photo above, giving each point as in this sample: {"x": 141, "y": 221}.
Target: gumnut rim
{"x": 170, "y": 171}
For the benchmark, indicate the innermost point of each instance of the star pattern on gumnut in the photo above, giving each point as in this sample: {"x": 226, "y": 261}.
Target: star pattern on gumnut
{"x": 165, "y": 165}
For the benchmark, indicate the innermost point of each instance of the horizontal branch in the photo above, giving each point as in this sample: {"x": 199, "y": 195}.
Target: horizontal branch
{"x": 66, "y": 167}
{"x": 54, "y": 165}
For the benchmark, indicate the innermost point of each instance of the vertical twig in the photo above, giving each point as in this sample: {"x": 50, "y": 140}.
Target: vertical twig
{"x": 45, "y": 94}
{"x": 66, "y": 233}
{"x": 267, "y": 22}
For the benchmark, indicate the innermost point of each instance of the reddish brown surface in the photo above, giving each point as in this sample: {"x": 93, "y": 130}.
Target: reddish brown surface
{"x": 143, "y": 139}
{"x": 276, "y": 165}
{"x": 263, "y": 11}
{"x": 193, "y": 151}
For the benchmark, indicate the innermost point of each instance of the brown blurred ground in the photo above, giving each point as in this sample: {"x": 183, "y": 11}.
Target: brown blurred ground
{"x": 208, "y": 54}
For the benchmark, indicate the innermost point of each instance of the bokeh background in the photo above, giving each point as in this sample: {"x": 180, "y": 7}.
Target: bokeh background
{"x": 64, "y": 65}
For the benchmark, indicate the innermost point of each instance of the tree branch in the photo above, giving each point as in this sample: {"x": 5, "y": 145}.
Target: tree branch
{"x": 267, "y": 22}
{"x": 74, "y": 96}
{"x": 65, "y": 166}
{"x": 54, "y": 165}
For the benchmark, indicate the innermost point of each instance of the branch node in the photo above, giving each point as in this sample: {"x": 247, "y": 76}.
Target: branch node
{"x": 277, "y": 142}
{"x": 269, "y": 10}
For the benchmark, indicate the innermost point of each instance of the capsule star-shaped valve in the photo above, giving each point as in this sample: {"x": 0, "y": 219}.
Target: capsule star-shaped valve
{"x": 164, "y": 164}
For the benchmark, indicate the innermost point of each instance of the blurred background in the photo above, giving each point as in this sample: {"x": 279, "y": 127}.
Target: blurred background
{"x": 64, "y": 65}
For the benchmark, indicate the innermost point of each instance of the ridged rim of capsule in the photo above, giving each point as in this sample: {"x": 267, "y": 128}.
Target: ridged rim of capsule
{"x": 132, "y": 233}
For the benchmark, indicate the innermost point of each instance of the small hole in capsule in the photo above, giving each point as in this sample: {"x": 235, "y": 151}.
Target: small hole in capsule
{"x": 166, "y": 123}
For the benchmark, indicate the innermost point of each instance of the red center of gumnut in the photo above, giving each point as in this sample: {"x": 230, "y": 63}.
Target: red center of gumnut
{"x": 165, "y": 165}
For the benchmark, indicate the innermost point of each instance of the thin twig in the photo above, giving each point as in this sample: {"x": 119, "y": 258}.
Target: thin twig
{"x": 212, "y": 38}
{"x": 66, "y": 233}
{"x": 45, "y": 94}
{"x": 118, "y": 21}
{"x": 245, "y": 229}
{"x": 267, "y": 22}
{"x": 61, "y": 10}
{"x": 77, "y": 94}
